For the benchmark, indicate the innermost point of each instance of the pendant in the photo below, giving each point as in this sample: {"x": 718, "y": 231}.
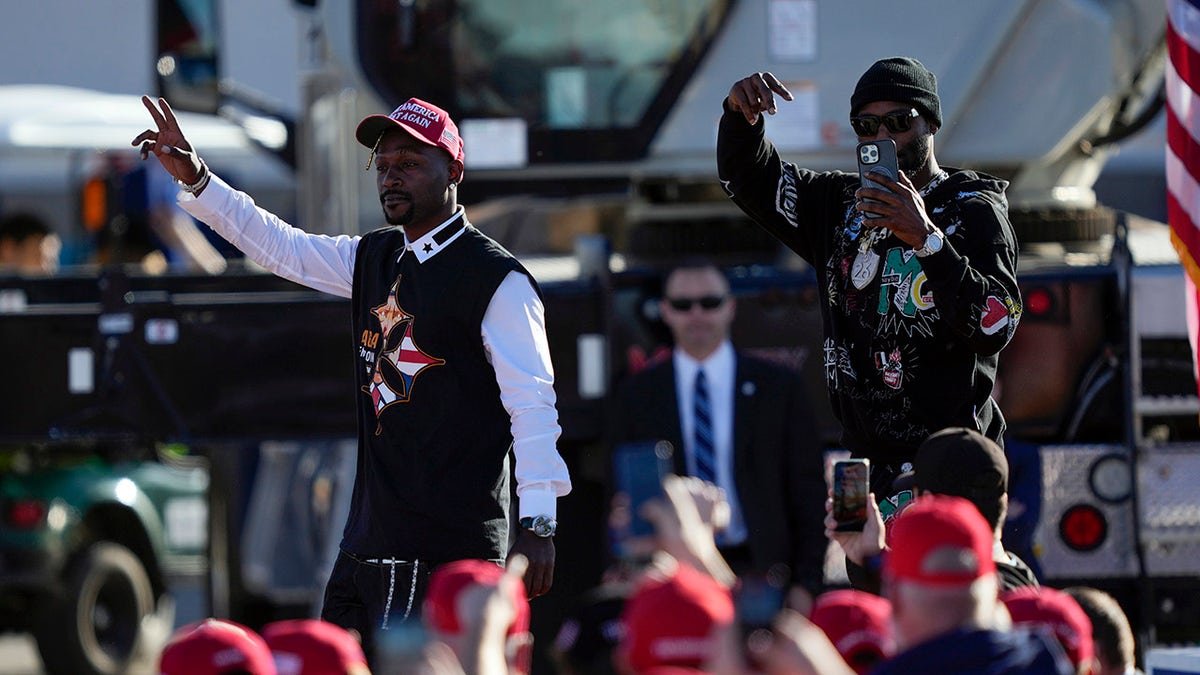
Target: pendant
{"x": 866, "y": 264}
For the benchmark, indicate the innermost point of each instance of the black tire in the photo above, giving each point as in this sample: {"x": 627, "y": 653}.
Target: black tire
{"x": 94, "y": 627}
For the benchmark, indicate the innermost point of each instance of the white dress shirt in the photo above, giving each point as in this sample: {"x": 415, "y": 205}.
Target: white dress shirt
{"x": 720, "y": 370}
{"x": 513, "y": 331}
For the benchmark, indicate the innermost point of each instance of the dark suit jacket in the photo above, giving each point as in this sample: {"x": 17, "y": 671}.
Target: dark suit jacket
{"x": 778, "y": 465}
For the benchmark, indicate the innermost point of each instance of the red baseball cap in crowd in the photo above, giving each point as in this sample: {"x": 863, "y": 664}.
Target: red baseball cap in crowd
{"x": 313, "y": 647}
{"x": 668, "y": 620}
{"x": 215, "y": 646}
{"x": 858, "y": 624}
{"x": 1053, "y": 609}
{"x": 940, "y": 540}
{"x": 451, "y": 579}
{"x": 422, "y": 120}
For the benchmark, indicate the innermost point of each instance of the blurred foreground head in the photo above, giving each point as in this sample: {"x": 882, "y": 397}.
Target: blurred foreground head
{"x": 1055, "y": 611}
{"x": 859, "y": 625}
{"x": 314, "y": 647}
{"x": 216, "y": 647}
{"x": 669, "y": 619}
{"x": 447, "y": 586}
{"x": 939, "y": 573}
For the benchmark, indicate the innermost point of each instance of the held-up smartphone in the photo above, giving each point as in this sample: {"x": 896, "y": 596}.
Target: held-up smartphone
{"x": 850, "y": 493}
{"x": 877, "y": 156}
{"x": 757, "y": 600}
{"x": 638, "y": 472}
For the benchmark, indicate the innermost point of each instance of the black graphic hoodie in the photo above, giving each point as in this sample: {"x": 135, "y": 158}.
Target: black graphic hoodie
{"x": 911, "y": 343}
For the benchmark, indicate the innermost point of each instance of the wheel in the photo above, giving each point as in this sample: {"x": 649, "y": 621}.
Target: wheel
{"x": 94, "y": 626}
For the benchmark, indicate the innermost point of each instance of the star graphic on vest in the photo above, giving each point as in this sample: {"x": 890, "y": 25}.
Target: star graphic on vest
{"x": 428, "y": 247}
{"x": 398, "y": 367}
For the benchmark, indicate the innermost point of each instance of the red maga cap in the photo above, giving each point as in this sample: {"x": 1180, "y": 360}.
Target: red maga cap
{"x": 312, "y": 647}
{"x": 1053, "y": 609}
{"x": 859, "y": 625}
{"x": 215, "y": 646}
{"x": 940, "y": 540}
{"x": 423, "y": 121}
{"x": 668, "y": 621}
{"x": 450, "y": 580}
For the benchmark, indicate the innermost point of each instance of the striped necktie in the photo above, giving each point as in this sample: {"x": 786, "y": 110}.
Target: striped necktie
{"x": 702, "y": 430}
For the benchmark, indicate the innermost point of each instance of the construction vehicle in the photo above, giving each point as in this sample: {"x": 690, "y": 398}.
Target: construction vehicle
{"x": 590, "y": 134}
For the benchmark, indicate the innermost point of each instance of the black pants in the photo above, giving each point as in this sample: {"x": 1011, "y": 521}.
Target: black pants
{"x": 358, "y": 593}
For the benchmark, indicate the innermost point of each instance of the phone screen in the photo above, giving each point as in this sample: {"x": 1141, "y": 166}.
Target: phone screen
{"x": 638, "y": 470}
{"x": 850, "y": 493}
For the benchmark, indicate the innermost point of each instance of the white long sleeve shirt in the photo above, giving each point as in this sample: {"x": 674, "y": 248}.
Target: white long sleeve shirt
{"x": 513, "y": 329}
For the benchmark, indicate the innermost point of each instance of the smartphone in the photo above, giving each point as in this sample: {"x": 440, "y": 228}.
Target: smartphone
{"x": 757, "y": 600}
{"x": 877, "y": 156}
{"x": 638, "y": 472}
{"x": 850, "y": 493}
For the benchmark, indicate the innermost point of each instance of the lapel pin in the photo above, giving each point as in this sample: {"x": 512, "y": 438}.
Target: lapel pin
{"x": 748, "y": 389}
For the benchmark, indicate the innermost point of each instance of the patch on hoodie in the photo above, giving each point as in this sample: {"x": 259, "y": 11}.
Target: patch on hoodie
{"x": 786, "y": 197}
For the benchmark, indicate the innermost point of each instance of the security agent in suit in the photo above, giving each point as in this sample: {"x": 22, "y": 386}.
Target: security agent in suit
{"x": 757, "y": 421}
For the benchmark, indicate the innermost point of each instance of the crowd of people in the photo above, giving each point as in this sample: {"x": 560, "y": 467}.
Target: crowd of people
{"x": 454, "y": 391}
{"x": 944, "y": 608}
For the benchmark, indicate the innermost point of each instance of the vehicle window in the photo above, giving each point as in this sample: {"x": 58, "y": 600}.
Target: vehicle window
{"x": 564, "y": 66}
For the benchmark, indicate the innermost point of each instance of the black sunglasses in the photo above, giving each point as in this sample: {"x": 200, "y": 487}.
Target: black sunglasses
{"x": 685, "y": 304}
{"x": 896, "y": 122}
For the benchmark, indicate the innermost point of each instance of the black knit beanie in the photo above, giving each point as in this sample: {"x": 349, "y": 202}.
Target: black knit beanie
{"x": 902, "y": 79}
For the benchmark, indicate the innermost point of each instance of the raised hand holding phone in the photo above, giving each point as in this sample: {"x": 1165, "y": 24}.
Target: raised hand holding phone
{"x": 850, "y": 493}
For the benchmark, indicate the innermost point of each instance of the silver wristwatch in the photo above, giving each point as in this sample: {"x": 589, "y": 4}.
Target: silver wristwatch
{"x": 543, "y": 526}
{"x": 933, "y": 243}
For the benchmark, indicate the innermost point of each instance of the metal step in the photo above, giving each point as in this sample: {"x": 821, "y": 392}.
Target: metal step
{"x": 1165, "y": 406}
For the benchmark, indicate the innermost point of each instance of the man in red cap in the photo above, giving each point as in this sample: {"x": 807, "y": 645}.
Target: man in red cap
{"x": 1059, "y": 613}
{"x": 452, "y": 369}
{"x": 314, "y": 647}
{"x": 941, "y": 580}
{"x": 216, "y": 647}
{"x": 859, "y": 625}
{"x": 453, "y": 616}
{"x": 669, "y": 620}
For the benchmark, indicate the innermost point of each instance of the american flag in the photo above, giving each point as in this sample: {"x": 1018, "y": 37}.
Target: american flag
{"x": 1183, "y": 146}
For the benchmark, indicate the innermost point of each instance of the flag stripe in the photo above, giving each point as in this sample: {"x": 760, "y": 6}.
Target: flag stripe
{"x": 1180, "y": 47}
{"x": 1182, "y": 163}
{"x": 1183, "y": 149}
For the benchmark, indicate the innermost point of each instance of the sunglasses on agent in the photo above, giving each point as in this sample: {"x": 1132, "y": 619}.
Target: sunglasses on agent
{"x": 896, "y": 122}
{"x": 708, "y": 302}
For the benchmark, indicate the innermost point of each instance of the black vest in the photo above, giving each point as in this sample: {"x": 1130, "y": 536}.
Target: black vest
{"x": 434, "y": 439}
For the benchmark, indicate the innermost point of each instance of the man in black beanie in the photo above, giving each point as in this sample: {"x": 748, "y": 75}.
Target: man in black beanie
{"x": 918, "y": 299}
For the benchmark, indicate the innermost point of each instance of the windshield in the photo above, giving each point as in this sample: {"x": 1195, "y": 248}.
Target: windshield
{"x": 590, "y": 80}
